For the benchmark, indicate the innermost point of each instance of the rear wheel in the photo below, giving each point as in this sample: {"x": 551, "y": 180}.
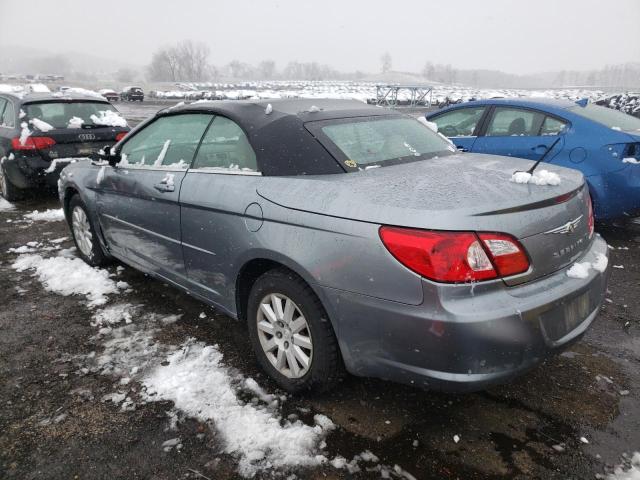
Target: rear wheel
{"x": 7, "y": 189}
{"x": 84, "y": 234}
{"x": 291, "y": 333}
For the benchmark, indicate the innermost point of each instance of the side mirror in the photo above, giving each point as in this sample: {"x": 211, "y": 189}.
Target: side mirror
{"x": 106, "y": 154}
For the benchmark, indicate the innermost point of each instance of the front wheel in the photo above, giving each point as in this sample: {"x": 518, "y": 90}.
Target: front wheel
{"x": 291, "y": 333}
{"x": 84, "y": 234}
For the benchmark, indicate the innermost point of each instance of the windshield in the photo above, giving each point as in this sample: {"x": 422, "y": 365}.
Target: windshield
{"x": 72, "y": 114}
{"x": 380, "y": 141}
{"x": 607, "y": 116}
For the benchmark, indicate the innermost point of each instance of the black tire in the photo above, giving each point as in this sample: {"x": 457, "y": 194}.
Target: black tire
{"x": 95, "y": 256}
{"x": 326, "y": 367}
{"x": 7, "y": 189}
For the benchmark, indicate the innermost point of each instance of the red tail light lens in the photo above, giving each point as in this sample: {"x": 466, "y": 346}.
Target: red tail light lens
{"x": 120, "y": 136}
{"x": 32, "y": 143}
{"x": 507, "y": 254}
{"x": 455, "y": 257}
{"x": 591, "y": 220}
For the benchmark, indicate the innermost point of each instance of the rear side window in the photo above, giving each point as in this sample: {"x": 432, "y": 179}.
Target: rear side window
{"x": 607, "y": 117}
{"x": 8, "y": 116}
{"x": 168, "y": 142}
{"x": 3, "y": 106}
{"x": 459, "y": 123}
{"x": 510, "y": 122}
{"x": 552, "y": 126}
{"x": 225, "y": 147}
{"x": 74, "y": 114}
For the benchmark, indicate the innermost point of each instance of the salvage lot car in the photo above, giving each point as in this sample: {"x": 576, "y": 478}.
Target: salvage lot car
{"x": 40, "y": 133}
{"x": 602, "y": 143}
{"x": 349, "y": 235}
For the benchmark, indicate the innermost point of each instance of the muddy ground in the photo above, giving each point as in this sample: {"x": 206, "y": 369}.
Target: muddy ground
{"x": 53, "y": 423}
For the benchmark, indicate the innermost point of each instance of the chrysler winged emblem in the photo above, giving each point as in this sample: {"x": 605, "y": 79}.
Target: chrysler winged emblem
{"x": 568, "y": 228}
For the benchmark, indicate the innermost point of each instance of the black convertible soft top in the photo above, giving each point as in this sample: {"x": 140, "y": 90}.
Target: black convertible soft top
{"x": 282, "y": 144}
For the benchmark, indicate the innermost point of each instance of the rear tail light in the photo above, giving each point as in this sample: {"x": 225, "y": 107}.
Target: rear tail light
{"x": 32, "y": 143}
{"x": 591, "y": 219}
{"x": 455, "y": 257}
{"x": 120, "y": 136}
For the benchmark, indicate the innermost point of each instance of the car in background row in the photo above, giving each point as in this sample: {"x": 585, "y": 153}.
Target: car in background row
{"x": 41, "y": 133}
{"x": 602, "y": 143}
{"x": 132, "y": 94}
{"x": 347, "y": 235}
{"x": 109, "y": 94}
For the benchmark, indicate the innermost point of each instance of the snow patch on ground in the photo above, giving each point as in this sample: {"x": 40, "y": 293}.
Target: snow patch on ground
{"x": 6, "y": 206}
{"x": 629, "y": 471}
{"x": 70, "y": 276}
{"x": 51, "y": 215}
{"x": 539, "y": 177}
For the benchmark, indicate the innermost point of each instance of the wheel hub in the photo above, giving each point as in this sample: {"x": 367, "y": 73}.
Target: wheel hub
{"x": 284, "y": 335}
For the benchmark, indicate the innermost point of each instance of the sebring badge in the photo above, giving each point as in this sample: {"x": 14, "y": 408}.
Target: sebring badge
{"x": 568, "y": 227}
{"x": 86, "y": 136}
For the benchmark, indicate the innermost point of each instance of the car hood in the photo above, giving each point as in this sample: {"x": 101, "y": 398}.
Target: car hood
{"x": 457, "y": 192}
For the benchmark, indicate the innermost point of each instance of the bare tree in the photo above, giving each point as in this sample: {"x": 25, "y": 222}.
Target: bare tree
{"x": 386, "y": 62}
{"x": 266, "y": 69}
{"x": 186, "y": 61}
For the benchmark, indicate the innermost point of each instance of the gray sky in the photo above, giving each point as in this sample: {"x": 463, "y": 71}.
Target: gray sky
{"x": 518, "y": 36}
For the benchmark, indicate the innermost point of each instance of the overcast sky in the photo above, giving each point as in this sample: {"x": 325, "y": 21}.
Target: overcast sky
{"x": 518, "y": 36}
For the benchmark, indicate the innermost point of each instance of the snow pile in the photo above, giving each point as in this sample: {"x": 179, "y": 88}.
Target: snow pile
{"x": 268, "y": 110}
{"x": 70, "y": 276}
{"x": 24, "y": 133}
{"x": 627, "y": 472}
{"x": 581, "y": 269}
{"x": 631, "y": 160}
{"x": 539, "y": 177}
{"x": 75, "y": 122}
{"x": 41, "y": 125}
{"x": 78, "y": 91}
{"x": 5, "y": 206}
{"x": 51, "y": 215}
{"x": 58, "y": 161}
{"x": 108, "y": 118}
{"x": 431, "y": 125}
{"x": 199, "y": 385}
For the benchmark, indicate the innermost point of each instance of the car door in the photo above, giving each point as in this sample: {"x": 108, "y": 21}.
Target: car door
{"x": 138, "y": 199}
{"x": 219, "y": 211}
{"x": 461, "y": 125}
{"x": 7, "y": 126}
{"x": 518, "y": 132}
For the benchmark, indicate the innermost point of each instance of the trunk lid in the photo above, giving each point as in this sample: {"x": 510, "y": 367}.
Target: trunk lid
{"x": 78, "y": 142}
{"x": 458, "y": 192}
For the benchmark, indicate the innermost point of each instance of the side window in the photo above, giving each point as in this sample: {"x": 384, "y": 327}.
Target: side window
{"x": 552, "y": 126}
{"x": 8, "y": 117}
{"x": 517, "y": 122}
{"x": 170, "y": 141}
{"x": 459, "y": 123}
{"x": 225, "y": 146}
{"x": 3, "y": 104}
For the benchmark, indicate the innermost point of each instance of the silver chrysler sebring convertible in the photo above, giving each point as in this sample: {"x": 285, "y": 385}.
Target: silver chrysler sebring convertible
{"x": 348, "y": 237}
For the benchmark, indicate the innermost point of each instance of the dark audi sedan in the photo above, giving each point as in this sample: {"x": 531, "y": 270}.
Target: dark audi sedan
{"x": 350, "y": 236}
{"x": 40, "y": 133}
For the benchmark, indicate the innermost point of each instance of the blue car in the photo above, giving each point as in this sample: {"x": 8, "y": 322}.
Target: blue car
{"x": 602, "y": 143}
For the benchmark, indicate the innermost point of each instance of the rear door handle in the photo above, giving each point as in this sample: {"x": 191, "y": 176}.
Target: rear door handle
{"x": 462, "y": 149}
{"x": 164, "y": 187}
{"x": 538, "y": 147}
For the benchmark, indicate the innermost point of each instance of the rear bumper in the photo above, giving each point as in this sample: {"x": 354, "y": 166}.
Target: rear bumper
{"x": 30, "y": 171}
{"x": 616, "y": 194}
{"x": 465, "y": 338}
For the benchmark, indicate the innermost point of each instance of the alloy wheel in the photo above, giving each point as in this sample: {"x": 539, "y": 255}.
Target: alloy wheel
{"x": 82, "y": 231}
{"x": 285, "y": 336}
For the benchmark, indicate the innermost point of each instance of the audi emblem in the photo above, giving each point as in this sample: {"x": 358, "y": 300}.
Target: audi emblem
{"x": 86, "y": 136}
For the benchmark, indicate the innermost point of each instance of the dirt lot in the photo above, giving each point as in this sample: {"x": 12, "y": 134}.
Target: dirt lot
{"x": 56, "y": 423}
